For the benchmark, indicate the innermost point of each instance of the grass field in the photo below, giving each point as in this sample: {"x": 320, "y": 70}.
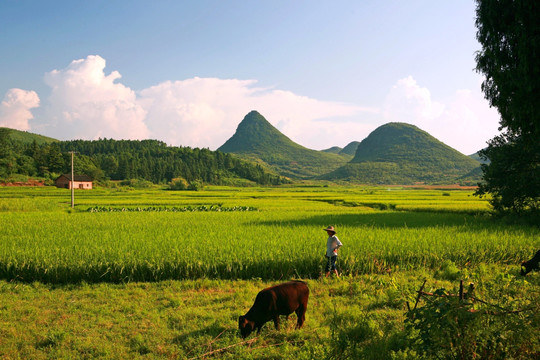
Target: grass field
{"x": 165, "y": 274}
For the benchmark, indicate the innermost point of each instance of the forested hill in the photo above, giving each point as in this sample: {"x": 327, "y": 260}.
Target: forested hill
{"x": 26, "y": 137}
{"x": 255, "y": 138}
{"x": 399, "y": 153}
{"x": 149, "y": 160}
{"x": 350, "y": 149}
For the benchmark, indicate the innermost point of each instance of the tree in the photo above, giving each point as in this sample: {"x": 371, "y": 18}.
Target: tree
{"x": 55, "y": 159}
{"x": 8, "y": 162}
{"x": 509, "y": 32}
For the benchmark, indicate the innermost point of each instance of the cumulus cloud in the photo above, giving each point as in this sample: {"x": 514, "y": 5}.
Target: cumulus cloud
{"x": 15, "y": 109}
{"x": 464, "y": 122}
{"x": 85, "y": 103}
{"x": 205, "y": 112}
{"x": 411, "y": 103}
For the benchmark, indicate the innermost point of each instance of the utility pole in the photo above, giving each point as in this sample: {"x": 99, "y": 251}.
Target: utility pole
{"x": 72, "y": 183}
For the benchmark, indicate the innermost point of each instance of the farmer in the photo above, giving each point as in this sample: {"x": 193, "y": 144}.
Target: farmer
{"x": 332, "y": 246}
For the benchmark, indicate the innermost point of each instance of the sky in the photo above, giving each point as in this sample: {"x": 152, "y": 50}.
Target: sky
{"x": 324, "y": 73}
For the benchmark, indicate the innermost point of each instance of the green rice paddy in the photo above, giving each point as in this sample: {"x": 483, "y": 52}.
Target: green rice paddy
{"x": 157, "y": 274}
{"x": 383, "y": 230}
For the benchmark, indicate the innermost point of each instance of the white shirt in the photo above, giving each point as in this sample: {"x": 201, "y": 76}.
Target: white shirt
{"x": 332, "y": 244}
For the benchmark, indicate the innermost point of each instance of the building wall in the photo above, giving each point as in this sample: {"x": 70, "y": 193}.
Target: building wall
{"x": 62, "y": 183}
{"x": 66, "y": 184}
{"x": 82, "y": 185}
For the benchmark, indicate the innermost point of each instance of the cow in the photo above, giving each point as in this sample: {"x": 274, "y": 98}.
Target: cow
{"x": 282, "y": 299}
{"x": 528, "y": 266}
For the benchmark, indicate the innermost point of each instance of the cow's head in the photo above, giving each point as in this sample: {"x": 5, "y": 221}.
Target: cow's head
{"x": 246, "y": 326}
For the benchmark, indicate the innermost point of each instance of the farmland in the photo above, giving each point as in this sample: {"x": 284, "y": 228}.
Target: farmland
{"x": 135, "y": 271}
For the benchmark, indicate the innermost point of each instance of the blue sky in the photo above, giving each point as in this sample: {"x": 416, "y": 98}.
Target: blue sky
{"x": 186, "y": 72}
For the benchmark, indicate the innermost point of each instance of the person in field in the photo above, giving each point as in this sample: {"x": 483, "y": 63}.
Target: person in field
{"x": 332, "y": 246}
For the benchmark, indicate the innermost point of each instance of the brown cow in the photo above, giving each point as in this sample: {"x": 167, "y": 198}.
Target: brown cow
{"x": 533, "y": 264}
{"x": 283, "y": 299}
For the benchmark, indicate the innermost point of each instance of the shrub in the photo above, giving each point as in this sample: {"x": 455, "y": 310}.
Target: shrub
{"x": 137, "y": 183}
{"x": 448, "y": 327}
{"x": 178, "y": 183}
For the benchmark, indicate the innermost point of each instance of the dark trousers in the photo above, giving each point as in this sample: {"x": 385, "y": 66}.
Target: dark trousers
{"x": 331, "y": 264}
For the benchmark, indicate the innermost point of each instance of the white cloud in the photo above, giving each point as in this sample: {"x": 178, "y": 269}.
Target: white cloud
{"x": 195, "y": 112}
{"x": 464, "y": 122}
{"x": 205, "y": 112}
{"x": 15, "y": 109}
{"x": 87, "y": 104}
{"x": 411, "y": 103}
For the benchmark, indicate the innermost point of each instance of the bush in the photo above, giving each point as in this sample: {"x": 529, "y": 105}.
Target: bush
{"x": 448, "y": 327}
{"x": 137, "y": 183}
{"x": 196, "y": 185}
{"x": 178, "y": 183}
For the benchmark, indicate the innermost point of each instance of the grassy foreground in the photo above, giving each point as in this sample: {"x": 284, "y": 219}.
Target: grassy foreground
{"x": 170, "y": 285}
{"x": 351, "y": 317}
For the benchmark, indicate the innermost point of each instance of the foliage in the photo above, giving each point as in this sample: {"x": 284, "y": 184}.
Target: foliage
{"x": 448, "y": 327}
{"x": 148, "y": 161}
{"x": 511, "y": 178}
{"x": 137, "y": 184}
{"x": 509, "y": 34}
{"x": 178, "y": 183}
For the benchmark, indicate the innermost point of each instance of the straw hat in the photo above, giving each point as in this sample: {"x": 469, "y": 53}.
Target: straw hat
{"x": 330, "y": 228}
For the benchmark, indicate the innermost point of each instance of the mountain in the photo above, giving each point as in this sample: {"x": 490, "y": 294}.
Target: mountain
{"x": 350, "y": 149}
{"x": 476, "y": 156}
{"x": 399, "y": 153}
{"x": 26, "y": 137}
{"x": 256, "y": 139}
{"x": 333, "y": 150}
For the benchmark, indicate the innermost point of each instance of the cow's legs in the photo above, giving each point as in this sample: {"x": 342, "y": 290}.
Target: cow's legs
{"x": 276, "y": 322}
{"x": 301, "y": 315}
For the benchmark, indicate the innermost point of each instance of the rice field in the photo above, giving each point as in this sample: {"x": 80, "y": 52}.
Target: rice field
{"x": 266, "y": 233}
{"x": 156, "y": 274}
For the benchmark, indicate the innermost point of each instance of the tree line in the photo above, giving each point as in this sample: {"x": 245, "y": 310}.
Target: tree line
{"x": 108, "y": 159}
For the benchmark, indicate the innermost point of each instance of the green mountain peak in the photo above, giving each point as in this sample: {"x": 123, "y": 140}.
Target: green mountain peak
{"x": 256, "y": 135}
{"x": 257, "y": 139}
{"x": 400, "y": 153}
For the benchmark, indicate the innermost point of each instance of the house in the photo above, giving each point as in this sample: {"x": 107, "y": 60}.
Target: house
{"x": 79, "y": 182}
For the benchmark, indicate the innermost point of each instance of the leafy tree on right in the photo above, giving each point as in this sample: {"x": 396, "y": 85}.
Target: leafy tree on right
{"x": 509, "y": 32}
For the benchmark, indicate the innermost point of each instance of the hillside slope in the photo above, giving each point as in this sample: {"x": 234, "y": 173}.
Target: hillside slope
{"x": 108, "y": 159}
{"x": 399, "y": 153}
{"x": 256, "y": 139}
{"x": 333, "y": 150}
{"x": 27, "y": 138}
{"x": 350, "y": 149}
